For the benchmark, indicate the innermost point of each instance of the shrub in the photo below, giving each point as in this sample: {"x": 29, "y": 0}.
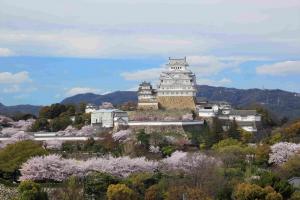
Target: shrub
{"x": 29, "y": 190}
{"x": 13, "y": 155}
{"x": 120, "y": 192}
{"x": 72, "y": 189}
{"x": 96, "y": 184}
{"x": 153, "y": 192}
{"x": 246, "y": 191}
{"x": 167, "y": 150}
{"x": 292, "y": 167}
{"x": 40, "y": 124}
{"x": 182, "y": 192}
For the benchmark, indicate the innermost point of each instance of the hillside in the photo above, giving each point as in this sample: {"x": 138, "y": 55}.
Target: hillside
{"x": 117, "y": 97}
{"x": 9, "y": 110}
{"x": 281, "y": 103}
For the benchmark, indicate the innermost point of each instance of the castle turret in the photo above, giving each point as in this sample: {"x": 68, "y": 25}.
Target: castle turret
{"x": 147, "y": 97}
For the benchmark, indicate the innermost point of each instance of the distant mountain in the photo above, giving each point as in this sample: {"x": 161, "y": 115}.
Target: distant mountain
{"x": 10, "y": 110}
{"x": 281, "y": 103}
{"x": 117, "y": 97}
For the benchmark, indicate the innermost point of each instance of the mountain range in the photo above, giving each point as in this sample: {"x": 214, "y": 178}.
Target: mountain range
{"x": 281, "y": 103}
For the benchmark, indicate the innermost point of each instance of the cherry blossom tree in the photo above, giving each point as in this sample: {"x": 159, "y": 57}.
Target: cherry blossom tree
{"x": 122, "y": 135}
{"x": 19, "y": 136}
{"x": 53, "y": 167}
{"x": 282, "y": 151}
{"x": 21, "y": 125}
{"x": 187, "y": 117}
{"x": 53, "y": 144}
{"x": 72, "y": 131}
{"x": 186, "y": 161}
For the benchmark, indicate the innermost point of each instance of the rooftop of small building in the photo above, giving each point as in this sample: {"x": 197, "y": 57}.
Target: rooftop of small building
{"x": 108, "y": 110}
{"x": 243, "y": 112}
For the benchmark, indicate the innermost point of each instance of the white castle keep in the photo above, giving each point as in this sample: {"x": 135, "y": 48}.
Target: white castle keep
{"x": 177, "y": 80}
{"x": 176, "y": 89}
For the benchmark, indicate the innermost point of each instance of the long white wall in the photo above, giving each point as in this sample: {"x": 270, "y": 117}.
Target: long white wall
{"x": 164, "y": 123}
{"x": 47, "y": 138}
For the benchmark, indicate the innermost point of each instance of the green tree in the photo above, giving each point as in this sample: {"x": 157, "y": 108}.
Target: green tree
{"x": 120, "y": 192}
{"x": 139, "y": 182}
{"x": 183, "y": 192}
{"x": 167, "y": 150}
{"x": 270, "y": 179}
{"x": 59, "y": 123}
{"x": 268, "y": 119}
{"x": 13, "y": 155}
{"x": 96, "y": 184}
{"x": 29, "y": 190}
{"x": 71, "y": 109}
{"x": 144, "y": 138}
{"x": 82, "y": 106}
{"x": 233, "y": 131}
{"x": 153, "y": 193}
{"x": 40, "y": 124}
{"x": 246, "y": 191}
{"x": 262, "y": 154}
{"x": 292, "y": 167}
{"x": 216, "y": 131}
{"x": 72, "y": 189}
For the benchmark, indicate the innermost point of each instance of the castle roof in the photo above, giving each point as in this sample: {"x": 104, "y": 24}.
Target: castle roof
{"x": 177, "y": 61}
{"x": 243, "y": 112}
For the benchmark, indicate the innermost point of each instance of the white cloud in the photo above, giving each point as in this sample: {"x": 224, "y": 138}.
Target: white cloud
{"x": 222, "y": 82}
{"x": 147, "y": 74}
{"x": 280, "y": 68}
{"x": 209, "y": 65}
{"x": 5, "y": 52}
{"x": 81, "y": 90}
{"x": 17, "y": 78}
{"x": 12, "y": 89}
{"x": 131, "y": 28}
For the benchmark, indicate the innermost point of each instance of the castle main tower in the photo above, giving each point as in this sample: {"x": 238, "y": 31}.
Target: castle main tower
{"x": 177, "y": 87}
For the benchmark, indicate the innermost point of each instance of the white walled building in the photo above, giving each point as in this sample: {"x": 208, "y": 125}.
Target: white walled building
{"x": 246, "y": 119}
{"x": 213, "y": 109}
{"x": 177, "y": 80}
{"x": 90, "y": 108}
{"x": 109, "y": 118}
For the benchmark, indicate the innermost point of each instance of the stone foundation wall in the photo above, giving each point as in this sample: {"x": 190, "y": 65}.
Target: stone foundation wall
{"x": 167, "y": 129}
{"x": 176, "y": 102}
{"x": 148, "y": 106}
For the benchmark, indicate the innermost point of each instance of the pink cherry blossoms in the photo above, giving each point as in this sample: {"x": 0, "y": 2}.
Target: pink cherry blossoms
{"x": 122, "y": 135}
{"x": 71, "y": 131}
{"x": 19, "y": 136}
{"x": 282, "y": 151}
{"x": 21, "y": 125}
{"x": 188, "y": 161}
{"x": 53, "y": 167}
{"x": 53, "y": 144}
{"x": 56, "y": 168}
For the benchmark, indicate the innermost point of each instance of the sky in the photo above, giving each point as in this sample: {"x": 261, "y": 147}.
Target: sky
{"x": 53, "y": 49}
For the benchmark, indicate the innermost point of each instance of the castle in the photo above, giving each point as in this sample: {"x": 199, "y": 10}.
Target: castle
{"x": 176, "y": 89}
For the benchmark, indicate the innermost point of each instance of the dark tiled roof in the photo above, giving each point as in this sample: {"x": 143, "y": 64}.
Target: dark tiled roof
{"x": 243, "y": 112}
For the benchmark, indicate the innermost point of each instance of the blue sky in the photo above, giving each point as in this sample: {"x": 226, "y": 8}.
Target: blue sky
{"x": 50, "y": 50}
